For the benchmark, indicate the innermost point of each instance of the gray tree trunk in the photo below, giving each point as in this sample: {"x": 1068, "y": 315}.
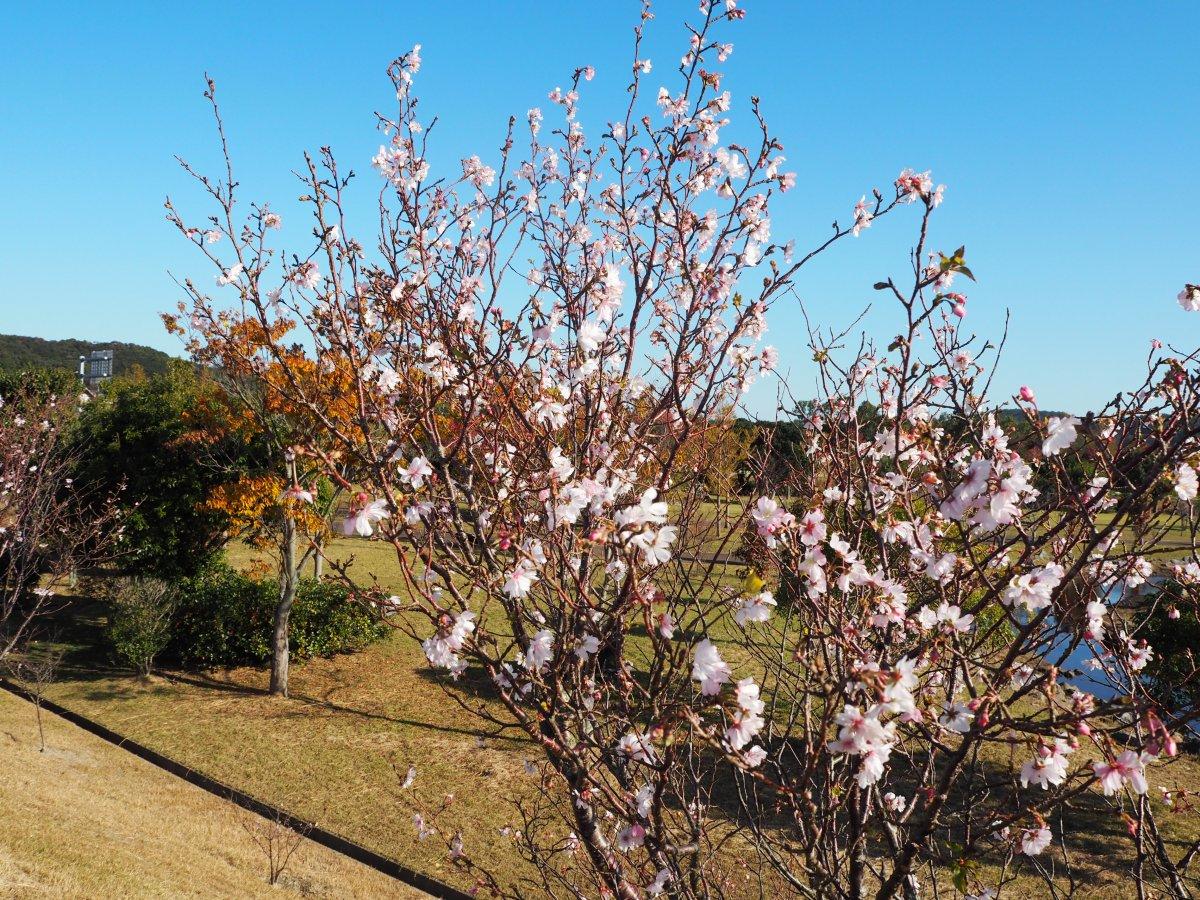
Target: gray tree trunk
{"x": 288, "y": 578}
{"x": 280, "y": 647}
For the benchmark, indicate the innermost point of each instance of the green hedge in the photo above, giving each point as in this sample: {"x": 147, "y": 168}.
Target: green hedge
{"x": 225, "y": 618}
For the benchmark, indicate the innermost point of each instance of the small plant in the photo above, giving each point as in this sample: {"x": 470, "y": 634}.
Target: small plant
{"x": 35, "y": 669}
{"x": 140, "y": 621}
{"x": 275, "y": 838}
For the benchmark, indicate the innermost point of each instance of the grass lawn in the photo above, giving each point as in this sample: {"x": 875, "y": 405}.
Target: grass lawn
{"x": 86, "y": 819}
{"x": 331, "y": 752}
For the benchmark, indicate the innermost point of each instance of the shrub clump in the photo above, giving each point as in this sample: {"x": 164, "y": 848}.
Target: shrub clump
{"x": 139, "y": 621}
{"x": 224, "y": 618}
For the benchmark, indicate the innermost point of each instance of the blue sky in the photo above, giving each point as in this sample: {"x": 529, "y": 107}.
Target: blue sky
{"x": 1068, "y": 135}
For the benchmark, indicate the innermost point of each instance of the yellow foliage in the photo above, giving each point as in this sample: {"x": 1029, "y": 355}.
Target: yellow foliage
{"x": 255, "y": 503}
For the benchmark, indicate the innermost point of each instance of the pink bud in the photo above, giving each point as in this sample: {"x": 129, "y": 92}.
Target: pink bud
{"x": 1172, "y": 613}
{"x": 505, "y": 542}
{"x": 1027, "y": 394}
{"x": 1084, "y": 729}
{"x": 959, "y": 310}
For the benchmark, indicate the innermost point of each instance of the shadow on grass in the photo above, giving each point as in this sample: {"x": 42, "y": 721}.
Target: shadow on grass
{"x": 1098, "y": 846}
{"x": 77, "y": 628}
{"x": 118, "y": 686}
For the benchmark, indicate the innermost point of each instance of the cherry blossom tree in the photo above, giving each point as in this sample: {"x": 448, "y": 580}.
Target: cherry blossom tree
{"x": 50, "y": 528}
{"x": 962, "y": 657}
{"x": 516, "y": 379}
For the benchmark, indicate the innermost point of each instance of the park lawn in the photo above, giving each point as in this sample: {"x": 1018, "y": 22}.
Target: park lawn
{"x": 332, "y": 751}
{"x": 87, "y": 819}
{"x": 1174, "y": 541}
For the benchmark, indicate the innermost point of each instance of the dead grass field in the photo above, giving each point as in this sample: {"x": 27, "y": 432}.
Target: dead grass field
{"x": 87, "y": 819}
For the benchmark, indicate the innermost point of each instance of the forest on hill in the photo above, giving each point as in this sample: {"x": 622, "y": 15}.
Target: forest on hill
{"x": 22, "y": 352}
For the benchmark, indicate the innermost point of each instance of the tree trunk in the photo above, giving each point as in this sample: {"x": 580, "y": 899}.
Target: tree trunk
{"x": 858, "y": 845}
{"x": 288, "y": 576}
{"x": 612, "y": 652}
{"x": 607, "y": 863}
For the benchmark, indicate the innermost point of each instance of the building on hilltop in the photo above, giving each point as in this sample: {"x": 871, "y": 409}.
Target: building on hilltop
{"x": 95, "y": 368}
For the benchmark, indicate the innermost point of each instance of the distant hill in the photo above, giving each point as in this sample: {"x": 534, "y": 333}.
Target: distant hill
{"x": 20, "y": 352}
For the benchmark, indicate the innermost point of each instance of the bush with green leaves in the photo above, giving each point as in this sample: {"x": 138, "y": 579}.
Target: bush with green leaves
{"x": 148, "y": 436}
{"x": 41, "y": 382}
{"x": 224, "y": 618}
{"x": 139, "y": 621}
{"x": 1168, "y": 620}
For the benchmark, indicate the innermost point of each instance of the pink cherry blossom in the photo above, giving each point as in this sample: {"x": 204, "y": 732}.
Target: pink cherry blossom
{"x": 862, "y": 216}
{"x": 708, "y": 668}
{"x": 299, "y": 494}
{"x": 1035, "y": 840}
{"x": 1048, "y": 768}
{"x": 416, "y": 472}
{"x": 1060, "y": 434}
{"x": 666, "y": 625}
{"x": 1127, "y": 768}
{"x": 1186, "y": 482}
{"x": 540, "y": 650}
{"x": 754, "y": 609}
{"x": 519, "y": 581}
{"x": 1189, "y": 297}
{"x": 364, "y": 515}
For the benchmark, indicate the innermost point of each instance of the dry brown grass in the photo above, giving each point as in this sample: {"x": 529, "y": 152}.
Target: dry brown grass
{"x": 331, "y": 752}
{"x": 87, "y": 819}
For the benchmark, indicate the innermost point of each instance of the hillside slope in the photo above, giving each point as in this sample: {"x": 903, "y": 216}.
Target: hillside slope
{"x": 86, "y": 819}
{"x": 21, "y": 352}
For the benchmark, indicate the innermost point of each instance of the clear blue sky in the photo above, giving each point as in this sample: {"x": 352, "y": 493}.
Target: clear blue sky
{"x": 1068, "y": 134}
